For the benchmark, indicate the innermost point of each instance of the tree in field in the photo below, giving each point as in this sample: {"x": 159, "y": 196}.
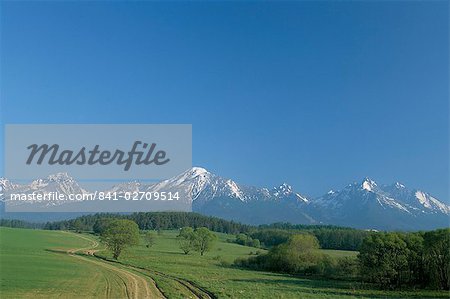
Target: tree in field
{"x": 437, "y": 257}
{"x": 256, "y": 243}
{"x": 303, "y": 243}
{"x": 416, "y": 271}
{"x": 384, "y": 259}
{"x": 298, "y": 255}
{"x": 119, "y": 234}
{"x": 150, "y": 239}
{"x": 241, "y": 239}
{"x": 203, "y": 240}
{"x": 186, "y": 239}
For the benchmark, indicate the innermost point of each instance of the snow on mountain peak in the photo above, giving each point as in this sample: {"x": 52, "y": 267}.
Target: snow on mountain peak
{"x": 283, "y": 189}
{"x": 399, "y": 185}
{"x": 368, "y": 184}
{"x": 234, "y": 189}
{"x": 422, "y": 198}
{"x": 301, "y": 198}
{"x": 194, "y": 173}
{"x": 133, "y": 186}
{"x": 286, "y": 191}
{"x": 198, "y": 171}
{"x": 431, "y": 203}
{"x": 6, "y": 184}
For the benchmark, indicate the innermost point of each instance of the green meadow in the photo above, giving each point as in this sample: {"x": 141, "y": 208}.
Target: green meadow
{"x": 31, "y": 268}
{"x": 215, "y": 273}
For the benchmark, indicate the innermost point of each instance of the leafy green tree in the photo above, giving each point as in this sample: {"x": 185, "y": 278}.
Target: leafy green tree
{"x": 384, "y": 259}
{"x": 119, "y": 234}
{"x": 416, "y": 270}
{"x": 298, "y": 255}
{"x": 150, "y": 239}
{"x": 204, "y": 239}
{"x": 256, "y": 243}
{"x": 347, "y": 267}
{"x": 186, "y": 239}
{"x": 241, "y": 239}
{"x": 303, "y": 243}
{"x": 437, "y": 257}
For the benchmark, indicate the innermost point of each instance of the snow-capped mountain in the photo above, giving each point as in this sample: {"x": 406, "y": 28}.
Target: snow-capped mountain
{"x": 369, "y": 205}
{"x": 197, "y": 184}
{"x": 365, "y": 205}
{"x": 6, "y": 185}
{"x": 416, "y": 200}
{"x": 217, "y": 196}
{"x": 285, "y": 192}
{"x": 60, "y": 182}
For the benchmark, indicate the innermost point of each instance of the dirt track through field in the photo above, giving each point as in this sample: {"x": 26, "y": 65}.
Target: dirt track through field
{"x": 135, "y": 286}
{"x": 136, "y": 282}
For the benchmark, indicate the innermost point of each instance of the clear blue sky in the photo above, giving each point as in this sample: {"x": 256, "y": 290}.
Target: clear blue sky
{"x": 317, "y": 94}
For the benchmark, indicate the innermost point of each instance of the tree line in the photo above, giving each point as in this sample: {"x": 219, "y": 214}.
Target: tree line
{"x": 246, "y": 240}
{"x": 153, "y": 221}
{"x": 300, "y": 255}
{"x": 407, "y": 259}
{"x": 19, "y": 223}
{"x": 329, "y": 237}
{"x": 390, "y": 260}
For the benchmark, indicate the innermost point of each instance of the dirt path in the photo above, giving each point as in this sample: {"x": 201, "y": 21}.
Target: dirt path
{"x": 196, "y": 291}
{"x": 138, "y": 282}
{"x": 136, "y": 286}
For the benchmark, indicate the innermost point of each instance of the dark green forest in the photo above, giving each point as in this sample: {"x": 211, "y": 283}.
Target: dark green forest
{"x": 153, "y": 221}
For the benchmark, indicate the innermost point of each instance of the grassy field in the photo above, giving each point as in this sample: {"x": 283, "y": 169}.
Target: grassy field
{"x": 33, "y": 264}
{"x": 213, "y": 272}
{"x": 29, "y": 270}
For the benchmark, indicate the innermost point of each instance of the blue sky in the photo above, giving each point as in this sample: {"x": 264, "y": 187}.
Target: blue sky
{"x": 317, "y": 94}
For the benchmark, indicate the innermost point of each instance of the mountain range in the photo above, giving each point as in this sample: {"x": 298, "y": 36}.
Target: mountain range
{"x": 365, "y": 205}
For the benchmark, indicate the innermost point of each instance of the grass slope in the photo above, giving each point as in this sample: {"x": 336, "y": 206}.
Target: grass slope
{"x": 28, "y": 270}
{"x": 210, "y": 273}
